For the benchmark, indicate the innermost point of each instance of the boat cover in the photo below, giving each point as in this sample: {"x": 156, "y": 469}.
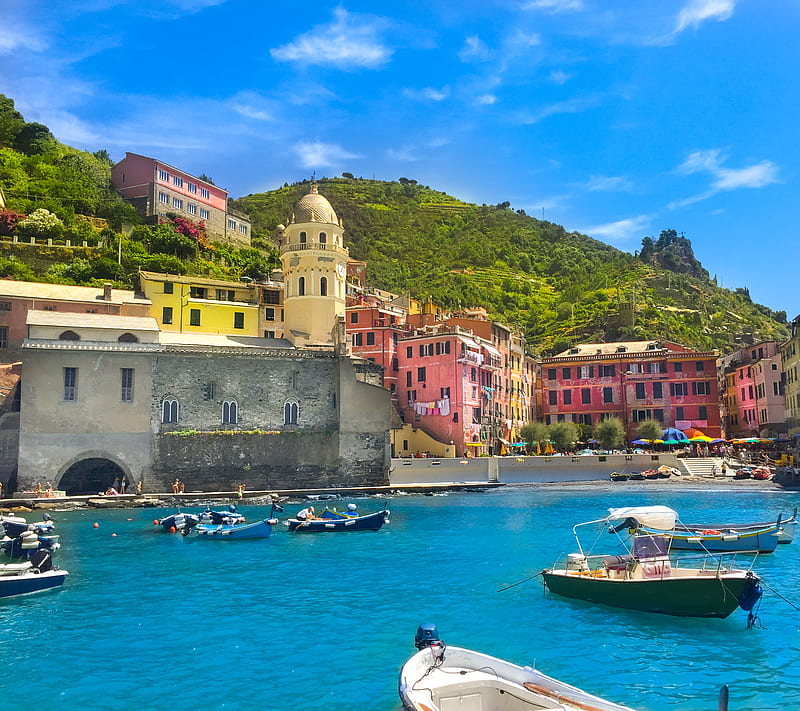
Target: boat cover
{"x": 660, "y": 517}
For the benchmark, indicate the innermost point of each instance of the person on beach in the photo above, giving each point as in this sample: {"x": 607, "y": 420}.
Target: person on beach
{"x": 306, "y": 514}
{"x": 240, "y": 490}
{"x": 123, "y": 484}
{"x": 139, "y": 487}
{"x": 176, "y": 486}
{"x": 713, "y": 470}
{"x": 724, "y": 468}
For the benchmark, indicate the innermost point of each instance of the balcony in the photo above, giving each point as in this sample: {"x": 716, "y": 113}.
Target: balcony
{"x": 316, "y": 246}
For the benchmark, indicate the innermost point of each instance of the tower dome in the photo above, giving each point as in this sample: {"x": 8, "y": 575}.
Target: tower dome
{"x": 313, "y": 207}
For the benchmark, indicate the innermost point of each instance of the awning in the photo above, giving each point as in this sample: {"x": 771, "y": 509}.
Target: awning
{"x": 660, "y": 517}
{"x": 491, "y": 349}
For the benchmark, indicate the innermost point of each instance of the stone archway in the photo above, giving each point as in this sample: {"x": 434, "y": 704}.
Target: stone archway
{"x": 90, "y": 476}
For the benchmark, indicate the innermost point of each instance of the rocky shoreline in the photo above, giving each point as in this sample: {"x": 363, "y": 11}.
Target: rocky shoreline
{"x": 265, "y": 498}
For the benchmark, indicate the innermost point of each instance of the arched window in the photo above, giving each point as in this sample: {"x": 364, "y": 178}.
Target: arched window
{"x": 323, "y": 238}
{"x": 290, "y": 412}
{"x": 323, "y": 286}
{"x": 230, "y": 412}
{"x": 128, "y": 338}
{"x": 302, "y": 238}
{"x": 169, "y": 411}
{"x": 69, "y": 336}
{"x": 301, "y": 286}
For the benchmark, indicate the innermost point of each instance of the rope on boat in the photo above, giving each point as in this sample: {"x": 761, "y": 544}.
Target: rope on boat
{"x": 789, "y": 602}
{"x": 513, "y": 585}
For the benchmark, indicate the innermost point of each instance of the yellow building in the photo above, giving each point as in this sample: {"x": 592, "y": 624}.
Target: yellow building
{"x": 197, "y": 305}
{"x": 314, "y": 262}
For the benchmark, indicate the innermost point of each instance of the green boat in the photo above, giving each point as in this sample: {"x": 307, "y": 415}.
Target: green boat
{"x": 648, "y": 579}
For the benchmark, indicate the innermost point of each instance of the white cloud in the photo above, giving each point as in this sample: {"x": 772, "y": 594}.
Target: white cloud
{"x": 402, "y": 155}
{"x": 428, "y": 93}
{"x": 554, "y": 6}
{"x": 560, "y": 77}
{"x": 486, "y": 100}
{"x": 754, "y": 176}
{"x": 698, "y": 11}
{"x": 316, "y": 154}
{"x": 698, "y": 161}
{"x": 606, "y": 183}
{"x": 724, "y": 179}
{"x": 620, "y": 230}
{"x": 474, "y": 50}
{"x": 571, "y": 106}
{"x": 350, "y": 41}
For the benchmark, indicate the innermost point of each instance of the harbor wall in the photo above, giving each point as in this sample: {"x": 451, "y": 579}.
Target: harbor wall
{"x": 523, "y": 470}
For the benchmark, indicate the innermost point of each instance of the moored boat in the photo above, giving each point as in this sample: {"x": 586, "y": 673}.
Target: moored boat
{"x": 30, "y": 576}
{"x": 439, "y": 678}
{"x": 367, "y": 522}
{"x": 619, "y": 476}
{"x": 181, "y": 520}
{"x": 235, "y": 531}
{"x": 785, "y": 534}
{"x": 647, "y": 578}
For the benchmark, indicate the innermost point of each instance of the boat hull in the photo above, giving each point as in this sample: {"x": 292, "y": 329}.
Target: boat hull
{"x": 707, "y": 595}
{"x": 763, "y": 540}
{"x": 369, "y": 522}
{"x": 13, "y": 585}
{"x": 471, "y": 680}
{"x": 259, "y": 529}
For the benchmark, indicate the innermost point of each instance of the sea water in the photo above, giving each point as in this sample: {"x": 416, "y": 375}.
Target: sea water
{"x": 152, "y": 620}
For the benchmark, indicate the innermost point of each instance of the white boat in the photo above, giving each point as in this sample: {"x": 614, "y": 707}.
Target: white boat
{"x": 31, "y": 576}
{"x": 441, "y": 678}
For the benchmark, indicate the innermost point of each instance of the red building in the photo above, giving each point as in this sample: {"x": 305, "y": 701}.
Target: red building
{"x": 634, "y": 381}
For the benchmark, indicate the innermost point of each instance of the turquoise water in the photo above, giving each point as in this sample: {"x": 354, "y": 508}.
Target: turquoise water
{"x": 149, "y": 620}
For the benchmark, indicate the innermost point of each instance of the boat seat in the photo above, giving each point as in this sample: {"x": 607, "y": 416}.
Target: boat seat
{"x": 15, "y": 568}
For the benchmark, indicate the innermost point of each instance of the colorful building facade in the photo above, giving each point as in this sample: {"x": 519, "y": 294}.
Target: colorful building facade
{"x": 156, "y": 189}
{"x": 633, "y": 381}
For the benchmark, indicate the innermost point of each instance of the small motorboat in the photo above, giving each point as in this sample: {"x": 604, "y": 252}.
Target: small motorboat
{"x": 235, "y": 531}
{"x": 665, "y": 472}
{"x": 636, "y": 476}
{"x": 762, "y": 473}
{"x": 30, "y": 576}
{"x": 650, "y": 474}
{"x": 439, "y": 678}
{"x": 22, "y": 539}
{"x": 743, "y": 473}
{"x": 619, "y": 476}
{"x": 179, "y": 521}
{"x": 647, "y": 578}
{"x": 340, "y": 523}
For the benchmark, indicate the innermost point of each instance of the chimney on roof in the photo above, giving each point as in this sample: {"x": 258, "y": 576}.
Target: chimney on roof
{"x": 107, "y": 292}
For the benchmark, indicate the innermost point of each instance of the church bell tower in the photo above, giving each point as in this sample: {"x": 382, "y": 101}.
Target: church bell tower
{"x": 314, "y": 264}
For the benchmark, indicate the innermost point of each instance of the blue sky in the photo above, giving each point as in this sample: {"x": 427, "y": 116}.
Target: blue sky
{"x": 613, "y": 118}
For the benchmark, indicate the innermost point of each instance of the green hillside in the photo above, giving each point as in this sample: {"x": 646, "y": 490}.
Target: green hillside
{"x": 558, "y": 287}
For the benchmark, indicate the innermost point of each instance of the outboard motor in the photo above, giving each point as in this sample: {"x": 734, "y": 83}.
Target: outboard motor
{"x": 428, "y": 637}
{"x": 42, "y": 561}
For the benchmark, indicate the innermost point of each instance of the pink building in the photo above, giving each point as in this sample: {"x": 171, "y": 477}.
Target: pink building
{"x": 634, "y": 381}
{"x": 155, "y": 188}
{"x": 460, "y": 379}
{"x": 754, "y": 405}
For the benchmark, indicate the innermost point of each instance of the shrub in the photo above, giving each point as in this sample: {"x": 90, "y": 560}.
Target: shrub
{"x": 40, "y": 223}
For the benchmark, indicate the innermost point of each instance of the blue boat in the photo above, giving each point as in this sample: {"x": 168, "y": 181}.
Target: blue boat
{"x": 31, "y": 576}
{"x": 337, "y": 522}
{"x": 259, "y": 529}
{"x": 225, "y": 530}
{"x": 180, "y": 520}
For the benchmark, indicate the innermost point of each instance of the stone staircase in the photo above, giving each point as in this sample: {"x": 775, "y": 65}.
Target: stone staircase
{"x": 706, "y": 467}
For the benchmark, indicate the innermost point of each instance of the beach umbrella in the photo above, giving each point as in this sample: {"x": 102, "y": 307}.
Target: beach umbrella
{"x": 641, "y": 442}
{"x": 717, "y": 440}
{"x": 701, "y": 438}
{"x": 674, "y": 433}
{"x": 671, "y": 441}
